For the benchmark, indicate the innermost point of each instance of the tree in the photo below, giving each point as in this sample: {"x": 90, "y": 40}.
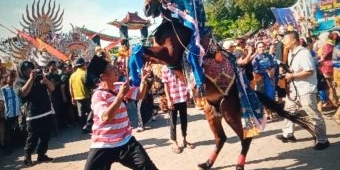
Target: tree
{"x": 232, "y": 18}
{"x": 247, "y": 23}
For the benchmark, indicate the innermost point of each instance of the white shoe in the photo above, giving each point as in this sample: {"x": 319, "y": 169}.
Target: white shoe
{"x": 140, "y": 129}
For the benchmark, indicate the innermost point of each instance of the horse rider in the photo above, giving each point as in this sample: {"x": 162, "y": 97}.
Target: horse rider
{"x": 196, "y": 10}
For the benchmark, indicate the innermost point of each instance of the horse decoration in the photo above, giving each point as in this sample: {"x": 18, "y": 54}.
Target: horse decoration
{"x": 220, "y": 73}
{"x": 43, "y": 26}
{"x": 223, "y": 91}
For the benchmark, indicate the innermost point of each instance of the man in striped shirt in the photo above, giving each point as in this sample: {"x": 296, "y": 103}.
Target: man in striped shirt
{"x": 112, "y": 140}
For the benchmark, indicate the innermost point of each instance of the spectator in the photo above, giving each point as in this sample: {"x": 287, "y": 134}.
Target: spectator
{"x": 326, "y": 67}
{"x": 33, "y": 93}
{"x": 135, "y": 66}
{"x": 53, "y": 76}
{"x": 66, "y": 106}
{"x": 278, "y": 46}
{"x": 12, "y": 108}
{"x": 303, "y": 89}
{"x": 112, "y": 140}
{"x": 80, "y": 95}
{"x": 3, "y": 147}
{"x": 242, "y": 53}
{"x": 264, "y": 73}
{"x": 336, "y": 58}
{"x": 176, "y": 93}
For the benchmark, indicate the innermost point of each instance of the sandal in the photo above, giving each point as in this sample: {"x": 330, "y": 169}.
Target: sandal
{"x": 175, "y": 149}
{"x": 337, "y": 120}
{"x": 188, "y": 145}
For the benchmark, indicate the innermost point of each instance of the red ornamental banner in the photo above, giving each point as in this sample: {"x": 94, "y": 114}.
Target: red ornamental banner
{"x": 41, "y": 45}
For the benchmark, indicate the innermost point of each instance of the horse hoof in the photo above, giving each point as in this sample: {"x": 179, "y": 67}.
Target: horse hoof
{"x": 205, "y": 166}
{"x": 239, "y": 167}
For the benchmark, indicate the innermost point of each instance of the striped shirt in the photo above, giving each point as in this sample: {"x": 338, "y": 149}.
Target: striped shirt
{"x": 177, "y": 88}
{"x": 116, "y": 131}
{"x": 11, "y": 100}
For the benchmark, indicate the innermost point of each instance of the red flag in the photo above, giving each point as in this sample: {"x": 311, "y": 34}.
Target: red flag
{"x": 112, "y": 45}
{"x": 28, "y": 38}
{"x": 41, "y": 45}
{"x": 51, "y": 50}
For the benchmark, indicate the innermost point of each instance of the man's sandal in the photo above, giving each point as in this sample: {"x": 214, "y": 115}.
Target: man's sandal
{"x": 176, "y": 149}
{"x": 188, "y": 145}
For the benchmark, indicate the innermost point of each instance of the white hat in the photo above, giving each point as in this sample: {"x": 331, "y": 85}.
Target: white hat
{"x": 336, "y": 32}
{"x": 227, "y": 44}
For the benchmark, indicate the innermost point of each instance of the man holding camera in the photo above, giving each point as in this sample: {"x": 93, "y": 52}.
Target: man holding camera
{"x": 33, "y": 93}
{"x": 303, "y": 91}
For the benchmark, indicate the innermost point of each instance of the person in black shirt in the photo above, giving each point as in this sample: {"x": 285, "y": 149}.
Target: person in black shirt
{"x": 67, "y": 106}
{"x": 55, "y": 96}
{"x": 34, "y": 95}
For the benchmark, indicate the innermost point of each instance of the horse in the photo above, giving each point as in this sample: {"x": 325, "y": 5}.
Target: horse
{"x": 171, "y": 39}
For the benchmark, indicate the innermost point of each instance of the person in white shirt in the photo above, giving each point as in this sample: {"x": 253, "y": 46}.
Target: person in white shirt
{"x": 303, "y": 91}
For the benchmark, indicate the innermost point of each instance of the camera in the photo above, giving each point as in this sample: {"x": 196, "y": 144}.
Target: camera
{"x": 282, "y": 76}
{"x": 38, "y": 71}
{"x": 102, "y": 55}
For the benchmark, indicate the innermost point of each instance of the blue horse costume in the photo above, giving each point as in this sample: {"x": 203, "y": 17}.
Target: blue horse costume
{"x": 197, "y": 12}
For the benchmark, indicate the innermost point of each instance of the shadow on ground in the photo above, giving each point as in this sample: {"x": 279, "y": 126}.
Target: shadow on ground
{"x": 305, "y": 159}
{"x": 68, "y": 135}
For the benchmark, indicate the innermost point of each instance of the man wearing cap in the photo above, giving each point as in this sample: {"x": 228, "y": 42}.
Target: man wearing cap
{"x": 80, "y": 93}
{"x": 112, "y": 139}
{"x": 33, "y": 93}
{"x": 229, "y": 46}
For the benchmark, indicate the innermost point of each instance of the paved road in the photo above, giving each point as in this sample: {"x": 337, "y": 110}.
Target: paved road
{"x": 266, "y": 152}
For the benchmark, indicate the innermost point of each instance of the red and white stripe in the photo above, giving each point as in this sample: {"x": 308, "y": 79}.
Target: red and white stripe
{"x": 116, "y": 131}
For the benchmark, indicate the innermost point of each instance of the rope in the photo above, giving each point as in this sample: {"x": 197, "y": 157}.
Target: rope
{"x": 180, "y": 41}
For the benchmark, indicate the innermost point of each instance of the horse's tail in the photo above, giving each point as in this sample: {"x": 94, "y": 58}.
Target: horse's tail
{"x": 300, "y": 118}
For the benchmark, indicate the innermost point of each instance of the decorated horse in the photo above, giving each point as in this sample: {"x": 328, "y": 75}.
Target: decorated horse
{"x": 223, "y": 92}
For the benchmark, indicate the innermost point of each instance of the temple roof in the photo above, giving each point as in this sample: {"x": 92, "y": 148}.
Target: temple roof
{"x": 132, "y": 21}
{"x": 105, "y": 37}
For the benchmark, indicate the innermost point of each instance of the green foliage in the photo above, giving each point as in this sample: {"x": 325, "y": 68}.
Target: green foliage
{"x": 247, "y": 23}
{"x": 234, "y": 18}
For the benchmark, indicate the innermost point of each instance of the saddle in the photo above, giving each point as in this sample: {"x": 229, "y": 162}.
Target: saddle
{"x": 219, "y": 70}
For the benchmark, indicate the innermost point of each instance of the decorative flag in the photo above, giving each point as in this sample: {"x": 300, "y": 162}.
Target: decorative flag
{"x": 113, "y": 44}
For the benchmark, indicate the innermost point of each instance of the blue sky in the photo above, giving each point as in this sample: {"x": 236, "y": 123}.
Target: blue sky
{"x": 93, "y": 14}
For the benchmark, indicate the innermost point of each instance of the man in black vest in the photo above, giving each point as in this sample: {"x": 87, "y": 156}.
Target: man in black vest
{"x": 33, "y": 93}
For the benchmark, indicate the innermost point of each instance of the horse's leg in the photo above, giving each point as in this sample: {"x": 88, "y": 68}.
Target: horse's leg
{"x": 231, "y": 110}
{"x": 217, "y": 129}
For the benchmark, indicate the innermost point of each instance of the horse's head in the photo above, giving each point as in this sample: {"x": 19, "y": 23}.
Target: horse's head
{"x": 153, "y": 7}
